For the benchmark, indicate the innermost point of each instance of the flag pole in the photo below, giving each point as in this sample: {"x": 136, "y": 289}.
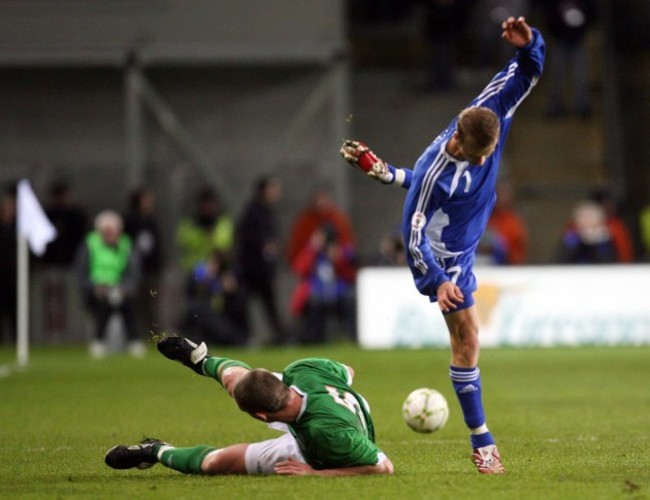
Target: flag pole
{"x": 22, "y": 303}
{"x": 33, "y": 227}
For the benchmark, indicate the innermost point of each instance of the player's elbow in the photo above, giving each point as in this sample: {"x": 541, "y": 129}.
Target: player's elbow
{"x": 385, "y": 467}
{"x": 350, "y": 371}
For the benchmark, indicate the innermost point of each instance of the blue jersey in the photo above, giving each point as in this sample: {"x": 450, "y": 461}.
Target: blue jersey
{"x": 449, "y": 201}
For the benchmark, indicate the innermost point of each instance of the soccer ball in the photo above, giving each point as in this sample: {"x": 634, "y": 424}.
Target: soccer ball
{"x": 425, "y": 410}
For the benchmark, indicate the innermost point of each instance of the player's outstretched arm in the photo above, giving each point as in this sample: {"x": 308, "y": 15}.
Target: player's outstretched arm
{"x": 516, "y": 32}
{"x": 358, "y": 155}
{"x": 293, "y": 467}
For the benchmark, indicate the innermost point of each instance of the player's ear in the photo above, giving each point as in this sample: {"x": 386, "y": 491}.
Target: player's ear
{"x": 260, "y": 416}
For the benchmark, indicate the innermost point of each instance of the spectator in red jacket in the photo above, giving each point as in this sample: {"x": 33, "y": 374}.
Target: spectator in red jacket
{"x": 506, "y": 222}
{"x": 321, "y": 211}
{"x": 618, "y": 229}
{"x": 326, "y": 268}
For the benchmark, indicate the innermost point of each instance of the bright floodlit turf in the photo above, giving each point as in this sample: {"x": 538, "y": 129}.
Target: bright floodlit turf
{"x": 570, "y": 423}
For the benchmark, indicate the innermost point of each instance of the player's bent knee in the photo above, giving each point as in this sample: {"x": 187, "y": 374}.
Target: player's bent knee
{"x": 228, "y": 460}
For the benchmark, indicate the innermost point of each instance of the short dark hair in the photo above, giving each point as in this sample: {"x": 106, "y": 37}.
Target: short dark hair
{"x": 261, "y": 391}
{"x": 479, "y": 123}
{"x": 262, "y": 183}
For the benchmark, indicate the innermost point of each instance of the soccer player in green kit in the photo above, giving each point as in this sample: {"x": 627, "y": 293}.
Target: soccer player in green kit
{"x": 328, "y": 428}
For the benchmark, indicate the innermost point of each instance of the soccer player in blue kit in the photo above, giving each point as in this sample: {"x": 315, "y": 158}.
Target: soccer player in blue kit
{"x": 451, "y": 192}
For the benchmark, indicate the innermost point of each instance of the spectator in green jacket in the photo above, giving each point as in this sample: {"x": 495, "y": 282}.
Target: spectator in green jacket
{"x": 108, "y": 271}
{"x": 209, "y": 229}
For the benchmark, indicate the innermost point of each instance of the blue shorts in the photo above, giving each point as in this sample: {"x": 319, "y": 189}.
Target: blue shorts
{"x": 460, "y": 270}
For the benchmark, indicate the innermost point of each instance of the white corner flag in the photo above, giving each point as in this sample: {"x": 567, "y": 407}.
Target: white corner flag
{"x": 33, "y": 227}
{"x": 32, "y": 223}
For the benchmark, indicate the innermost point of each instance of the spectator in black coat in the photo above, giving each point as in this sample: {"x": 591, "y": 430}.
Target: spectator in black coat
{"x": 141, "y": 225}
{"x": 258, "y": 251}
{"x": 8, "y": 264}
{"x": 70, "y": 222}
{"x": 568, "y": 23}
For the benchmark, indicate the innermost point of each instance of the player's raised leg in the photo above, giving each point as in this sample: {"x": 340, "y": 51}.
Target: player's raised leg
{"x": 196, "y": 357}
{"x": 185, "y": 352}
{"x": 466, "y": 379}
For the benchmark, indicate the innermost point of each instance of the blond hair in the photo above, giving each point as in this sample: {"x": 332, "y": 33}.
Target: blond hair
{"x": 478, "y": 124}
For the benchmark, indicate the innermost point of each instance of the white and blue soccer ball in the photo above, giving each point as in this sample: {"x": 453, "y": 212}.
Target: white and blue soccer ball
{"x": 425, "y": 410}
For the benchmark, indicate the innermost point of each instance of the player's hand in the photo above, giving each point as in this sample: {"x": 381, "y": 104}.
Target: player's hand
{"x": 357, "y": 154}
{"x": 449, "y": 296}
{"x": 516, "y": 32}
{"x": 293, "y": 467}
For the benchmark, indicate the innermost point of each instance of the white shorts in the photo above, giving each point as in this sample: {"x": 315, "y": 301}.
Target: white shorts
{"x": 261, "y": 457}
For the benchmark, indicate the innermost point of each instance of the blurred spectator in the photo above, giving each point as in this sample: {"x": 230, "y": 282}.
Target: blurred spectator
{"x": 587, "y": 240}
{"x": 8, "y": 265}
{"x": 326, "y": 268}
{"x": 444, "y": 23}
{"x": 379, "y": 11}
{"x": 108, "y": 272}
{"x": 321, "y": 211}
{"x": 209, "y": 229}
{"x": 391, "y": 250}
{"x": 214, "y": 311}
{"x": 492, "y": 248}
{"x": 618, "y": 229}
{"x": 507, "y": 229}
{"x": 485, "y": 28}
{"x": 567, "y": 25}
{"x": 69, "y": 220}
{"x": 141, "y": 226}
{"x": 644, "y": 230}
{"x": 258, "y": 251}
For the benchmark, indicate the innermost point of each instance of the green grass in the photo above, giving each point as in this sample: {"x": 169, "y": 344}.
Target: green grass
{"x": 570, "y": 423}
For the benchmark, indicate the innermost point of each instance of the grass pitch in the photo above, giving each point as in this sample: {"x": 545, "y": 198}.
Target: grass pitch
{"x": 570, "y": 423}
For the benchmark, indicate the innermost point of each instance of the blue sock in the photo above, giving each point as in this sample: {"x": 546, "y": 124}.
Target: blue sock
{"x": 467, "y": 384}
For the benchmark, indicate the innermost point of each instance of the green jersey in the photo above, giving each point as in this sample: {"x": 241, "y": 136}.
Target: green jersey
{"x": 334, "y": 428}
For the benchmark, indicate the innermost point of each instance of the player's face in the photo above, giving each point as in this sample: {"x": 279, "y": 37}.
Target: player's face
{"x": 474, "y": 154}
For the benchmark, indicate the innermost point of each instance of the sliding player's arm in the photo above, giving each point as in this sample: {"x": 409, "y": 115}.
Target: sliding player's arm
{"x": 353, "y": 450}
{"x": 293, "y": 467}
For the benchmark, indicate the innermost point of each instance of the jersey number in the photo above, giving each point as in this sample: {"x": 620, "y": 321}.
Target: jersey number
{"x": 454, "y": 272}
{"x": 468, "y": 180}
{"x": 348, "y": 401}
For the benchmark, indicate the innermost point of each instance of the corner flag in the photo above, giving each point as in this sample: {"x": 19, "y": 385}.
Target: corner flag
{"x": 32, "y": 223}
{"x": 33, "y": 227}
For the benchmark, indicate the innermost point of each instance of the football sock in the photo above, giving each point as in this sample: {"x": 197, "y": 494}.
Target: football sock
{"x": 212, "y": 365}
{"x": 185, "y": 460}
{"x": 467, "y": 384}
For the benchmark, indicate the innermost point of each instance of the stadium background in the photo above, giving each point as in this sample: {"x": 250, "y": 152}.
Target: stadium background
{"x": 271, "y": 85}
{"x": 114, "y": 94}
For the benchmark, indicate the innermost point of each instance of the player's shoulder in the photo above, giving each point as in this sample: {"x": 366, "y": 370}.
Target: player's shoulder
{"x": 323, "y": 366}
